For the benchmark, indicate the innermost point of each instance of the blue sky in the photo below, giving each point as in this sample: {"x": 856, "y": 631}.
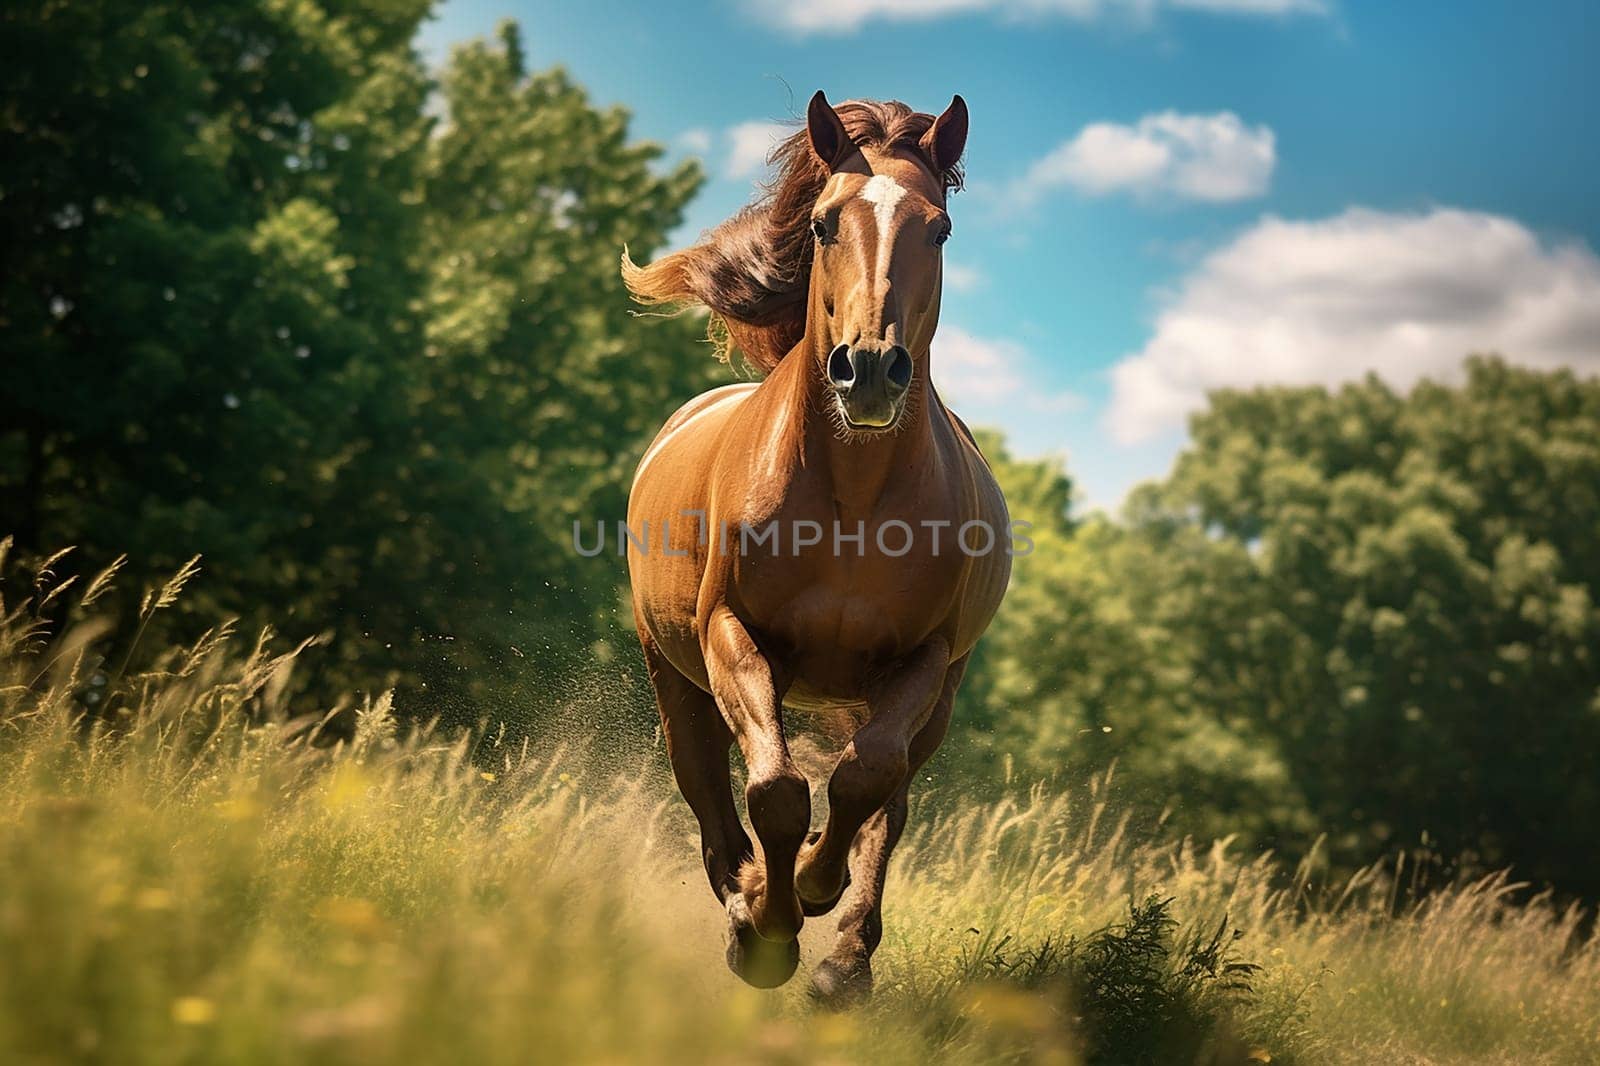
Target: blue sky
{"x": 1166, "y": 196}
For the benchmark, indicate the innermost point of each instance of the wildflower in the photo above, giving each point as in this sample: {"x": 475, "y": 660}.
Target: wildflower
{"x": 359, "y": 917}
{"x": 153, "y": 899}
{"x": 193, "y": 1010}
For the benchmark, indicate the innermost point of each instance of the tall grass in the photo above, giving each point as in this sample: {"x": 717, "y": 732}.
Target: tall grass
{"x": 193, "y": 870}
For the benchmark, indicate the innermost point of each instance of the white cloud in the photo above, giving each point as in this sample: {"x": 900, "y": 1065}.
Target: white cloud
{"x": 697, "y": 140}
{"x": 847, "y": 16}
{"x": 962, "y": 278}
{"x": 1324, "y": 302}
{"x": 749, "y": 144}
{"x": 1214, "y": 158}
{"x": 991, "y": 374}
{"x": 1256, "y": 7}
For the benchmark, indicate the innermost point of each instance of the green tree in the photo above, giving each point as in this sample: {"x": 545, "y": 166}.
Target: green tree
{"x": 260, "y": 303}
{"x": 1360, "y": 611}
{"x": 1090, "y": 665}
{"x": 538, "y": 388}
{"x": 1427, "y": 649}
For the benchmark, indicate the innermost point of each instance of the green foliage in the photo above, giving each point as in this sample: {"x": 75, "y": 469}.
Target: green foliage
{"x": 1090, "y": 665}
{"x": 1358, "y": 608}
{"x": 274, "y": 296}
{"x": 1136, "y": 996}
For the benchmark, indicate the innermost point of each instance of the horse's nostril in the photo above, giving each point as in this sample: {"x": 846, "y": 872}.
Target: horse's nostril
{"x": 899, "y": 369}
{"x": 841, "y": 371}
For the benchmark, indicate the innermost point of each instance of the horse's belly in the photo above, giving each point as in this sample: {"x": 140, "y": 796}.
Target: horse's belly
{"x": 858, "y": 614}
{"x": 819, "y": 726}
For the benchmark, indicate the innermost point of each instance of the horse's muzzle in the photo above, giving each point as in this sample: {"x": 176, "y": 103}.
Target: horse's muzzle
{"x": 871, "y": 384}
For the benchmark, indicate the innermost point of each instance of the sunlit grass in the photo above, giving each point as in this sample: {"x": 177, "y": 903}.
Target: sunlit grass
{"x": 201, "y": 874}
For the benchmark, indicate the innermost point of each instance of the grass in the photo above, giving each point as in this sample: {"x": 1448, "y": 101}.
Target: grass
{"x": 197, "y": 872}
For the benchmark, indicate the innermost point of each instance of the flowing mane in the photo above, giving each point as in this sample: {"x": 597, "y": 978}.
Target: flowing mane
{"x": 753, "y": 270}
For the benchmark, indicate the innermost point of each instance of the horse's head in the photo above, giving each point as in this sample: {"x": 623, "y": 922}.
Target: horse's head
{"x": 879, "y": 227}
{"x": 842, "y": 252}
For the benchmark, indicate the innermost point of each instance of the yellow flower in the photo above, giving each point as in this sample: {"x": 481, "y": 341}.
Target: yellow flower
{"x": 153, "y": 899}
{"x": 836, "y": 1030}
{"x": 193, "y": 1010}
{"x": 486, "y": 775}
{"x": 346, "y": 788}
{"x": 1008, "y": 1008}
{"x": 357, "y": 916}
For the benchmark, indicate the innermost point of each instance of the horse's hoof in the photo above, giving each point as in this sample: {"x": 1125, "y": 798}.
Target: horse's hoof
{"x": 761, "y": 963}
{"x": 839, "y": 986}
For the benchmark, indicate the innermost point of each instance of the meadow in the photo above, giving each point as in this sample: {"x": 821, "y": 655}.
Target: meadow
{"x": 196, "y": 870}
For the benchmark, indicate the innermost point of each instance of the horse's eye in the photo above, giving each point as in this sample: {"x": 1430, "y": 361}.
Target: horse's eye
{"x": 819, "y": 230}
{"x": 943, "y": 234}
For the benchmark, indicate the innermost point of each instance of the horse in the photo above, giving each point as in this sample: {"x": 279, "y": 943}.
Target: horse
{"x": 752, "y": 622}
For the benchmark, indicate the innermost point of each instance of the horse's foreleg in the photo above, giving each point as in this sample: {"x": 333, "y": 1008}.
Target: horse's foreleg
{"x": 874, "y": 766}
{"x": 697, "y": 745}
{"x": 845, "y": 976}
{"x": 764, "y": 917}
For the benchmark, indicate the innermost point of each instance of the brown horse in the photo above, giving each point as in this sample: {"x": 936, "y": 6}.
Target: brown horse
{"x": 831, "y": 542}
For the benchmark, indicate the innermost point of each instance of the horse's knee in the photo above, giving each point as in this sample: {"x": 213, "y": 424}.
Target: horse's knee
{"x": 779, "y": 803}
{"x": 872, "y": 769}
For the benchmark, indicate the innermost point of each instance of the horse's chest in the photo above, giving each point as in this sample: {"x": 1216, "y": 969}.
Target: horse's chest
{"x": 841, "y": 609}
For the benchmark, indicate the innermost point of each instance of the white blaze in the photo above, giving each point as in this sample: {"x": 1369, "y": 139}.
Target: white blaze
{"x": 883, "y": 193}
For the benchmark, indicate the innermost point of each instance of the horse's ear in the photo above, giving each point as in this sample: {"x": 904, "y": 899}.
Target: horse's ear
{"x": 828, "y": 138}
{"x": 946, "y": 139}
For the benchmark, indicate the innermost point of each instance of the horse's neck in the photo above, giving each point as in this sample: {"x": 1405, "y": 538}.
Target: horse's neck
{"x": 859, "y": 467}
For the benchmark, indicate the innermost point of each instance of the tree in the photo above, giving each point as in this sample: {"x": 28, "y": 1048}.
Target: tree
{"x": 1090, "y": 665}
{"x": 262, "y": 305}
{"x": 1359, "y": 611}
{"x": 1427, "y": 645}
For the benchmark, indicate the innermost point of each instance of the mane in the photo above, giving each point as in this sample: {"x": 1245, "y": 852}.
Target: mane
{"x": 754, "y": 270}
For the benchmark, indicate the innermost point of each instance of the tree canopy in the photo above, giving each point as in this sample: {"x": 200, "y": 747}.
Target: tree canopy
{"x": 275, "y": 295}
{"x": 1362, "y": 611}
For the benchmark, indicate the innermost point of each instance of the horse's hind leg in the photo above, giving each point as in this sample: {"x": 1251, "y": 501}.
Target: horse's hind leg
{"x": 697, "y": 745}
{"x": 764, "y": 917}
{"x": 845, "y": 976}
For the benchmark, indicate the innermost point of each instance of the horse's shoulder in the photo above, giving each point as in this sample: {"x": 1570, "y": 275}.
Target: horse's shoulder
{"x": 704, "y": 400}
{"x": 702, "y": 404}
